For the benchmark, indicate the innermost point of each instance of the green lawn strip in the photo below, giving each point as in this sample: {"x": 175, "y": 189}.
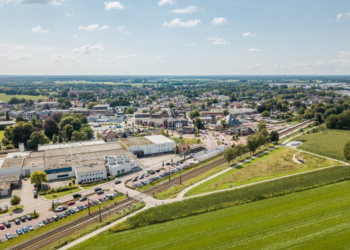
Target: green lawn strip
{"x": 6, "y": 98}
{"x": 51, "y": 226}
{"x": 329, "y": 143}
{"x": 174, "y": 191}
{"x": 54, "y": 196}
{"x": 92, "y": 228}
{"x": 271, "y": 165}
{"x": 2, "y": 133}
{"x": 13, "y": 209}
{"x": 313, "y": 219}
{"x": 186, "y": 141}
{"x": 92, "y": 186}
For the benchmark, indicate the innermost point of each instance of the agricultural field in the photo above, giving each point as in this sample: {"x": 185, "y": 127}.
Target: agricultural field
{"x": 317, "y": 218}
{"x": 271, "y": 165}
{"x": 6, "y": 98}
{"x": 329, "y": 143}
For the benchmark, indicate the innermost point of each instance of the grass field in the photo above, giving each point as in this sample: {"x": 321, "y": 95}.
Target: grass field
{"x": 6, "y": 98}
{"x": 2, "y": 133}
{"x": 313, "y": 219}
{"x": 329, "y": 143}
{"x": 274, "y": 164}
{"x": 12, "y": 209}
{"x": 186, "y": 141}
{"x": 61, "y": 194}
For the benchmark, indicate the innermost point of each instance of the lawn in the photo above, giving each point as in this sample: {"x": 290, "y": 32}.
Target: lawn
{"x": 186, "y": 141}
{"x": 2, "y": 133}
{"x": 14, "y": 209}
{"x": 6, "y": 98}
{"x": 329, "y": 143}
{"x": 61, "y": 194}
{"x": 271, "y": 165}
{"x": 314, "y": 219}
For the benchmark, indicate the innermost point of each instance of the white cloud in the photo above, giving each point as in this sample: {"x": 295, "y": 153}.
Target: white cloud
{"x": 86, "y": 49}
{"x": 219, "y": 21}
{"x": 341, "y": 16}
{"x": 38, "y": 29}
{"x": 187, "y": 10}
{"x": 248, "y": 34}
{"x": 191, "y": 45}
{"x": 253, "y": 50}
{"x": 218, "y": 41}
{"x": 164, "y": 2}
{"x": 59, "y": 58}
{"x": 104, "y": 27}
{"x": 75, "y": 36}
{"x": 67, "y": 14}
{"x": 113, "y": 6}
{"x": 126, "y": 56}
{"x": 178, "y": 23}
{"x": 93, "y": 27}
{"x": 121, "y": 28}
{"x": 54, "y": 2}
{"x": 16, "y": 48}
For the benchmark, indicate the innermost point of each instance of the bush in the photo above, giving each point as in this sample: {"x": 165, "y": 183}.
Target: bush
{"x": 60, "y": 189}
{"x": 235, "y": 197}
{"x": 10, "y": 146}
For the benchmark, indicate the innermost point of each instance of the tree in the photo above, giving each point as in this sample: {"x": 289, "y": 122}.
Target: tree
{"x": 7, "y": 116}
{"x": 194, "y": 113}
{"x": 274, "y": 137}
{"x": 318, "y": 119}
{"x": 20, "y": 119}
{"x": 37, "y": 138}
{"x": 229, "y": 155}
{"x": 46, "y": 107}
{"x": 261, "y": 126}
{"x": 15, "y": 201}
{"x": 98, "y": 135}
{"x": 332, "y": 121}
{"x": 50, "y": 127}
{"x": 54, "y": 139}
{"x": 129, "y": 110}
{"x": 252, "y": 144}
{"x": 176, "y": 149}
{"x": 223, "y": 123}
{"x": 57, "y": 116}
{"x": 91, "y": 104}
{"x": 85, "y": 128}
{"x": 75, "y": 122}
{"x": 171, "y": 105}
{"x": 20, "y": 133}
{"x": 198, "y": 123}
{"x": 225, "y": 112}
{"x": 79, "y": 136}
{"x": 239, "y": 150}
{"x": 38, "y": 177}
{"x": 347, "y": 151}
{"x": 67, "y": 132}
{"x": 265, "y": 113}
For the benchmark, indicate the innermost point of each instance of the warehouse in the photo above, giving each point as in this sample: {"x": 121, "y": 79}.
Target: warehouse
{"x": 92, "y": 173}
{"x": 148, "y": 145}
{"x": 7, "y": 183}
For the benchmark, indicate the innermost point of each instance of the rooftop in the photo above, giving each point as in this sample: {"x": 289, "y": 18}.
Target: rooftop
{"x": 12, "y": 162}
{"x": 157, "y": 139}
{"x": 136, "y": 141}
{"x": 91, "y": 168}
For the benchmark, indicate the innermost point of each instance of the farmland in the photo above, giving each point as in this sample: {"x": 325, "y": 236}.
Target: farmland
{"x": 312, "y": 219}
{"x": 329, "y": 143}
{"x": 274, "y": 164}
{"x": 6, "y": 98}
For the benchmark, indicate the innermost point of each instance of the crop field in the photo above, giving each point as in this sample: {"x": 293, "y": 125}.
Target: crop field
{"x": 329, "y": 143}
{"x": 274, "y": 164}
{"x": 6, "y": 98}
{"x": 314, "y": 219}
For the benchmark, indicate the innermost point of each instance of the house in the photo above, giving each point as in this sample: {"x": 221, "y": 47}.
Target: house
{"x": 109, "y": 136}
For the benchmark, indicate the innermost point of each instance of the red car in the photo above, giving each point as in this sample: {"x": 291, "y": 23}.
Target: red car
{"x": 2, "y": 226}
{"x": 70, "y": 203}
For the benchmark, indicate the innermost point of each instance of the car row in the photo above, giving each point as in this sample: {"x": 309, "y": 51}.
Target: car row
{"x": 20, "y": 231}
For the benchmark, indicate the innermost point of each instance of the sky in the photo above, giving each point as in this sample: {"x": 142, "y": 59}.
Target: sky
{"x": 175, "y": 37}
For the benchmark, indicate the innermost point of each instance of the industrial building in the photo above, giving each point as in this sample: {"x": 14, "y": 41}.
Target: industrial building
{"x": 7, "y": 183}
{"x": 148, "y": 145}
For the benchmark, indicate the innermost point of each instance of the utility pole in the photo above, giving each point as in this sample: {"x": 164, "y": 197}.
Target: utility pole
{"x": 169, "y": 173}
{"x": 180, "y": 177}
{"x": 99, "y": 210}
{"x": 89, "y": 205}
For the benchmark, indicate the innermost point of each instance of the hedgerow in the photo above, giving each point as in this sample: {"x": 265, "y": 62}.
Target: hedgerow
{"x": 235, "y": 197}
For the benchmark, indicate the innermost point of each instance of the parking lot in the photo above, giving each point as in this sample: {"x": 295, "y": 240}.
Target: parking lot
{"x": 48, "y": 216}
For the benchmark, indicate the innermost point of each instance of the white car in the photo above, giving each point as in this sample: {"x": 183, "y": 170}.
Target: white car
{"x": 59, "y": 209}
{"x": 40, "y": 224}
{"x": 30, "y": 227}
{"x": 56, "y": 202}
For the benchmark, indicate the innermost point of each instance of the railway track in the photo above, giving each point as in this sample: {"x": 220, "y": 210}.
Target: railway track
{"x": 72, "y": 227}
{"x": 285, "y": 132}
{"x": 184, "y": 177}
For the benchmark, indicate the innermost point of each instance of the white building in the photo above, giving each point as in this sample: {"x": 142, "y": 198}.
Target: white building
{"x": 148, "y": 145}
{"x": 92, "y": 173}
{"x": 122, "y": 164}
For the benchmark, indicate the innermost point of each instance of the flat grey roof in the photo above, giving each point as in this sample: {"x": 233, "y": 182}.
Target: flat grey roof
{"x": 12, "y": 162}
{"x": 33, "y": 162}
{"x": 87, "y": 169}
{"x": 136, "y": 141}
{"x": 6, "y": 180}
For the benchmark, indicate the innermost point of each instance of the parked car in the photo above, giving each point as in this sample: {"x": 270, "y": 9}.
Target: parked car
{"x": 25, "y": 229}
{"x": 59, "y": 209}
{"x": 97, "y": 189}
{"x": 30, "y": 227}
{"x": 46, "y": 222}
{"x": 8, "y": 236}
{"x": 5, "y": 207}
{"x": 77, "y": 195}
{"x": 102, "y": 199}
{"x": 70, "y": 203}
{"x": 56, "y": 202}
{"x": 134, "y": 179}
{"x": 2, "y": 226}
{"x": 100, "y": 192}
{"x": 19, "y": 231}
{"x": 40, "y": 224}
{"x": 95, "y": 201}
{"x": 50, "y": 219}
{"x": 23, "y": 219}
{"x": 17, "y": 221}
{"x": 55, "y": 218}
{"x": 7, "y": 224}
{"x": 84, "y": 198}
{"x": 157, "y": 170}
{"x": 168, "y": 164}
{"x": 117, "y": 182}
{"x": 29, "y": 217}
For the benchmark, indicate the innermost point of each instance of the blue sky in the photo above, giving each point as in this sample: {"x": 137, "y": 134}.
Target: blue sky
{"x": 174, "y": 37}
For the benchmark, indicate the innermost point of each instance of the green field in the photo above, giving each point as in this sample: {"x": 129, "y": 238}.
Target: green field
{"x": 6, "y": 98}
{"x": 2, "y": 133}
{"x": 61, "y": 194}
{"x": 314, "y": 219}
{"x": 271, "y": 165}
{"x": 329, "y": 143}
